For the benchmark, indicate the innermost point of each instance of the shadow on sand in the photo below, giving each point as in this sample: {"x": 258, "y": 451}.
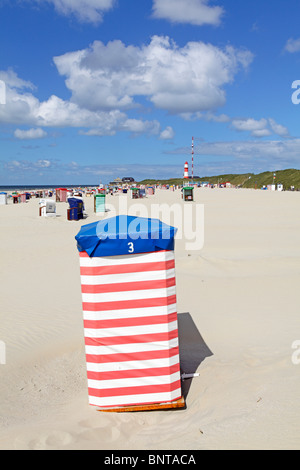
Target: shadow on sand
{"x": 192, "y": 348}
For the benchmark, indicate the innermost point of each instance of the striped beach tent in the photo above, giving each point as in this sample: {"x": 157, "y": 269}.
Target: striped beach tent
{"x": 128, "y": 284}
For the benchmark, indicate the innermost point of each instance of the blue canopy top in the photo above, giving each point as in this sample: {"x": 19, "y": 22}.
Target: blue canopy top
{"x": 74, "y": 201}
{"x": 125, "y": 234}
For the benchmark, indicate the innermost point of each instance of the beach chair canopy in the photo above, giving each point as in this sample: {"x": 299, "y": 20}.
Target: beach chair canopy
{"x": 123, "y": 235}
{"x": 75, "y": 202}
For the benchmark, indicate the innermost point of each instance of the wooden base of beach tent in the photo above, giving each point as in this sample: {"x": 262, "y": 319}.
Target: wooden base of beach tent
{"x": 150, "y": 407}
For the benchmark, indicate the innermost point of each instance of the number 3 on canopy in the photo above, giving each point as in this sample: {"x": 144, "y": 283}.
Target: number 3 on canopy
{"x": 130, "y": 247}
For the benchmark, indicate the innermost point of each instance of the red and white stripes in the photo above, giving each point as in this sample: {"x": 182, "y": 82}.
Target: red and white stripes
{"x": 130, "y": 329}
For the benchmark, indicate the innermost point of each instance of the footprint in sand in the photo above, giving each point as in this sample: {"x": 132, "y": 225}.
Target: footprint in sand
{"x": 102, "y": 431}
{"x": 55, "y": 440}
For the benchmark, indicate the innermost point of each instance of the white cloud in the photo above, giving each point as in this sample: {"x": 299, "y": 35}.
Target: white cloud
{"x": 11, "y": 79}
{"x": 29, "y": 166}
{"x": 137, "y": 126}
{"x": 247, "y": 155}
{"x": 278, "y": 129}
{"x": 256, "y": 128}
{"x": 293, "y": 45}
{"x": 217, "y": 118}
{"x": 56, "y": 112}
{"x": 107, "y": 80}
{"x": 179, "y": 80}
{"x": 197, "y": 12}
{"x": 134, "y": 126}
{"x": 30, "y": 134}
{"x": 87, "y": 11}
{"x": 167, "y": 134}
{"x": 43, "y": 163}
{"x": 23, "y": 108}
{"x": 260, "y": 128}
{"x": 261, "y": 132}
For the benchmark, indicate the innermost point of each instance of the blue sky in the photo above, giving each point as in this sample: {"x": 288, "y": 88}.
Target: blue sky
{"x": 91, "y": 90}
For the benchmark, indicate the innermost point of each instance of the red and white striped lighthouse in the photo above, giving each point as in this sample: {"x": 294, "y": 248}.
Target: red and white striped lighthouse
{"x": 186, "y": 170}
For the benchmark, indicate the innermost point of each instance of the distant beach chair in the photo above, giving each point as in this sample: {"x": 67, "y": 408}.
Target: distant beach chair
{"x": 47, "y": 208}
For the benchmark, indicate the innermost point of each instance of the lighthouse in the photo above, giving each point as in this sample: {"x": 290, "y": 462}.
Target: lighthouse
{"x": 186, "y": 170}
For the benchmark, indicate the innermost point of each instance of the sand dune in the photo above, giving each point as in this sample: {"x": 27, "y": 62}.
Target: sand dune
{"x": 238, "y": 313}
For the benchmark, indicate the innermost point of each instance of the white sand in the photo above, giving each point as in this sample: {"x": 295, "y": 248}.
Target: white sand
{"x": 238, "y": 309}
